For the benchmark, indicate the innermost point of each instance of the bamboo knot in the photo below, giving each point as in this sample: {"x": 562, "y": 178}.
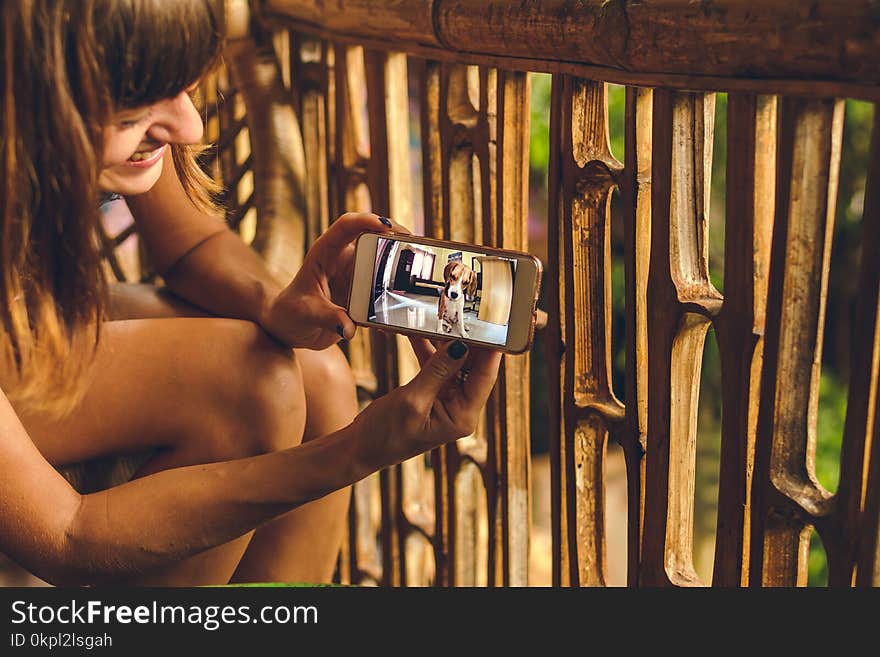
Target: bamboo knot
{"x": 594, "y": 184}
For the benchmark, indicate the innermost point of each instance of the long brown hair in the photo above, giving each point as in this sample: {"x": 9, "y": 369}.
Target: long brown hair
{"x": 67, "y": 66}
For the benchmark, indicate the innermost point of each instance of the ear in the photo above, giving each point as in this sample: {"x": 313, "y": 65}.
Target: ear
{"x": 472, "y": 284}
{"x": 447, "y": 270}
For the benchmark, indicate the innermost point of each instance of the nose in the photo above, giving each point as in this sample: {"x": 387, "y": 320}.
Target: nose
{"x": 176, "y": 121}
{"x": 453, "y": 294}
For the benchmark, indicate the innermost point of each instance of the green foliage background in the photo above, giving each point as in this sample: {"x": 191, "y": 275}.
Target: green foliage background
{"x": 836, "y": 354}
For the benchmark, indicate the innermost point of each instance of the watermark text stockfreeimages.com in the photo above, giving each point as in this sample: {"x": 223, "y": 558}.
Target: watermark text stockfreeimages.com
{"x": 209, "y": 617}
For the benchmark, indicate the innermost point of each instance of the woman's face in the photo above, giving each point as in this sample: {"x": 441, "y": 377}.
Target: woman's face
{"x": 137, "y": 140}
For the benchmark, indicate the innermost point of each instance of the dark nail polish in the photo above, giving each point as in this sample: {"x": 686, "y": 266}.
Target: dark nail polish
{"x": 457, "y": 349}
{"x": 386, "y": 221}
{"x": 340, "y": 330}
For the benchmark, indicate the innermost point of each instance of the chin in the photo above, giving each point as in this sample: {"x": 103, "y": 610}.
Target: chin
{"x": 129, "y": 183}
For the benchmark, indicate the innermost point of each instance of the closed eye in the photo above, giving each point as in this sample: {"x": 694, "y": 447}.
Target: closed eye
{"x": 135, "y": 121}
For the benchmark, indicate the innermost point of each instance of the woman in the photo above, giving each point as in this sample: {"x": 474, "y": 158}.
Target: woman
{"x": 235, "y": 381}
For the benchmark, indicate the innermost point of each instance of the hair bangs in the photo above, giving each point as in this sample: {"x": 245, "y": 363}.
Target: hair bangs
{"x": 154, "y": 49}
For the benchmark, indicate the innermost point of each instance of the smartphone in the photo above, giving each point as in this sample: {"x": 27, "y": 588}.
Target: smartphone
{"x": 436, "y": 288}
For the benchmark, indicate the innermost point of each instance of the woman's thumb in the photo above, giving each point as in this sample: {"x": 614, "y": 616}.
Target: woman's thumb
{"x": 440, "y": 368}
{"x": 335, "y": 318}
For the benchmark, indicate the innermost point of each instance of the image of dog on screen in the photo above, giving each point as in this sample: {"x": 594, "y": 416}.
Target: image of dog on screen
{"x": 459, "y": 279}
{"x": 444, "y": 291}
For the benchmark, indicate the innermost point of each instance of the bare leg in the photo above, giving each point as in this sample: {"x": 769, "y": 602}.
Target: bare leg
{"x": 303, "y": 545}
{"x": 198, "y": 390}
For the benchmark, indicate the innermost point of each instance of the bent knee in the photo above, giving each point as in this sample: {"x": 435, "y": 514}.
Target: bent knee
{"x": 330, "y": 391}
{"x": 271, "y": 399}
{"x": 256, "y": 393}
{"x": 327, "y": 373}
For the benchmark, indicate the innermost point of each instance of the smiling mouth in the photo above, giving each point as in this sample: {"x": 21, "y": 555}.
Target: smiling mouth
{"x": 140, "y": 156}
{"x": 145, "y": 159}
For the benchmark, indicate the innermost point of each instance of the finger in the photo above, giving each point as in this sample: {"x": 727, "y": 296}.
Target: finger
{"x": 482, "y": 373}
{"x": 396, "y": 227}
{"x": 422, "y": 348}
{"x": 335, "y": 319}
{"x": 346, "y": 229}
{"x": 438, "y": 370}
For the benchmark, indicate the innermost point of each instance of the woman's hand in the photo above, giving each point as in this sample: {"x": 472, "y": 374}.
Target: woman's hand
{"x": 310, "y": 312}
{"x": 441, "y": 403}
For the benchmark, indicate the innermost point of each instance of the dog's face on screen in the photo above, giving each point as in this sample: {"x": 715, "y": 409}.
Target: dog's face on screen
{"x": 459, "y": 279}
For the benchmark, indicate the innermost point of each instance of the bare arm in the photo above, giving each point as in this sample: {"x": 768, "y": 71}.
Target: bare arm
{"x": 68, "y": 538}
{"x": 208, "y": 265}
{"x": 198, "y": 256}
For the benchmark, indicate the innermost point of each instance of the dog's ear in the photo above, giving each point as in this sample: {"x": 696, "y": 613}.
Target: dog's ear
{"x": 447, "y": 270}
{"x": 472, "y": 284}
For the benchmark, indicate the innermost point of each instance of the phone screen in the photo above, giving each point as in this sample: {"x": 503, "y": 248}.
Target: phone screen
{"x": 450, "y": 292}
